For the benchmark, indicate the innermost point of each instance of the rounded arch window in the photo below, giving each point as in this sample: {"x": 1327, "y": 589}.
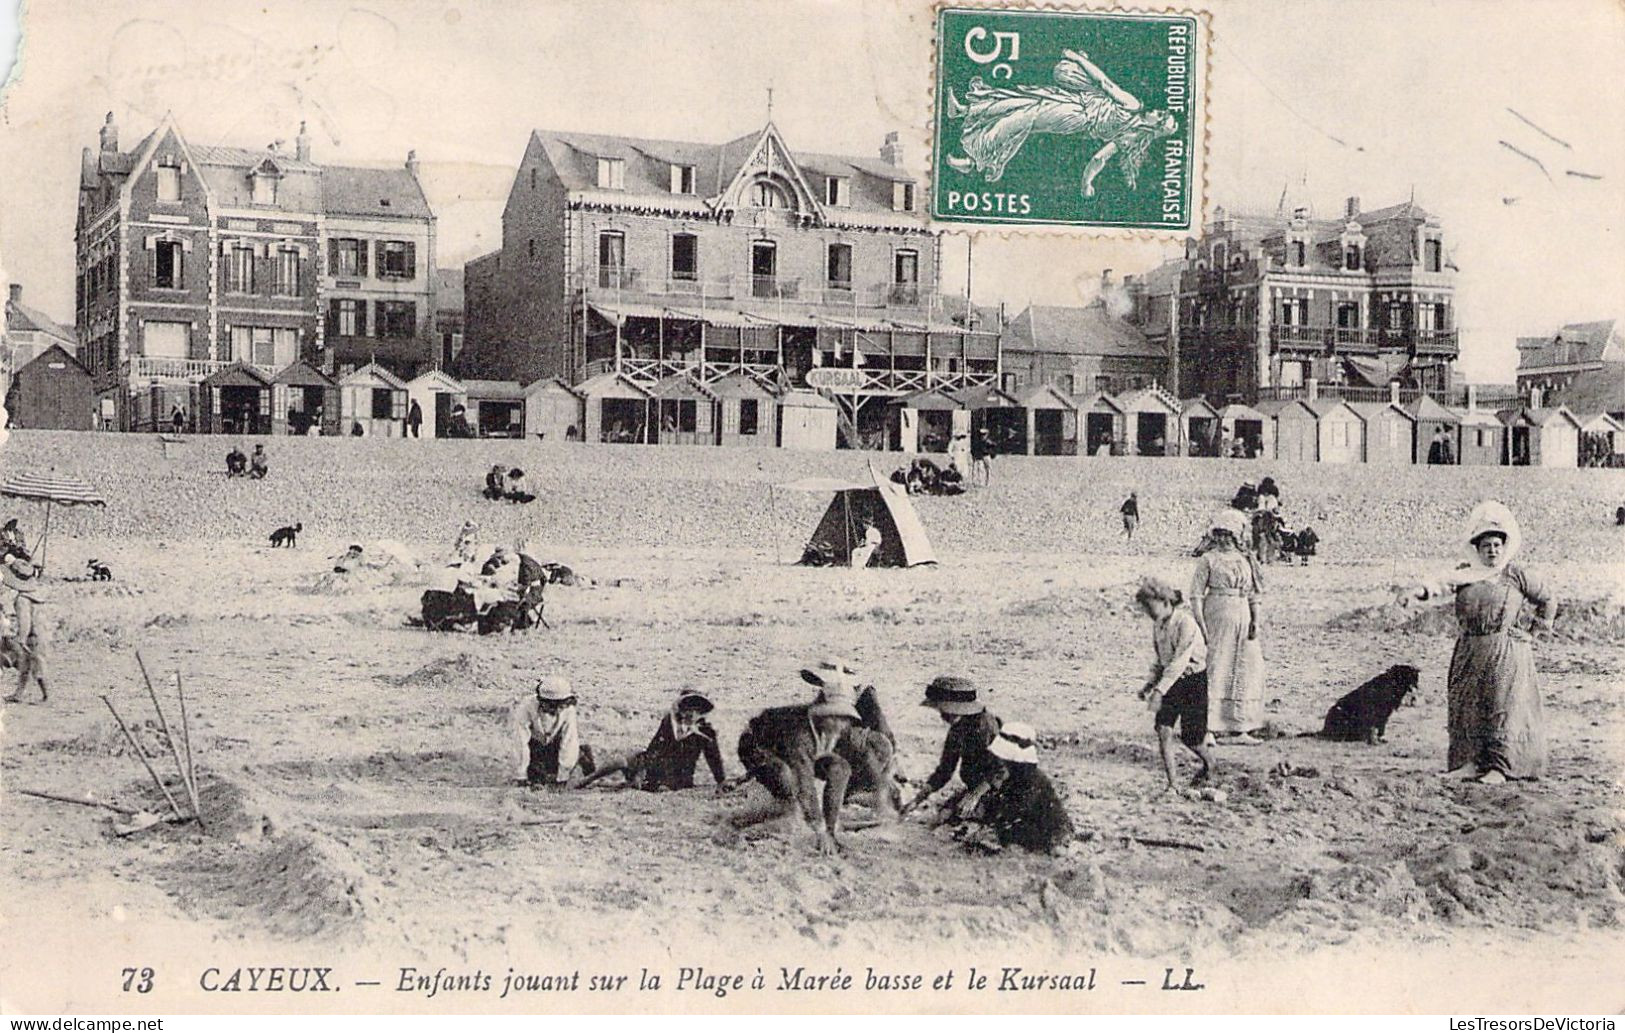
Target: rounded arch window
{"x": 764, "y": 193}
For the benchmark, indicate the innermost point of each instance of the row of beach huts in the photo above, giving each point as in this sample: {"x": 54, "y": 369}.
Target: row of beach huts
{"x": 741, "y": 410}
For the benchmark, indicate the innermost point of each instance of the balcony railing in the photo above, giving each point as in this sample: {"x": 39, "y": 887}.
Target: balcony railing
{"x": 648, "y": 372}
{"x": 157, "y": 367}
{"x": 1348, "y": 339}
{"x": 623, "y": 283}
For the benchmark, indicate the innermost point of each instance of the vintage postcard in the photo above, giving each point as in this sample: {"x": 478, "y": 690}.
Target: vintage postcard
{"x": 776, "y": 506}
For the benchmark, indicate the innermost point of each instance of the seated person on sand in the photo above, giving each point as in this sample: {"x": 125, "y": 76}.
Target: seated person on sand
{"x": 11, "y": 539}
{"x": 971, "y": 730}
{"x": 496, "y": 483}
{"x": 466, "y": 544}
{"x": 259, "y": 464}
{"x": 669, "y": 761}
{"x": 347, "y": 560}
{"x": 547, "y": 743}
{"x": 951, "y": 481}
{"x": 790, "y": 749}
{"x": 236, "y": 462}
{"x": 516, "y": 490}
{"x": 864, "y": 551}
{"x": 1018, "y": 805}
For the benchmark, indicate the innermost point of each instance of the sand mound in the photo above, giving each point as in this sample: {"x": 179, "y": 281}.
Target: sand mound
{"x": 1593, "y": 620}
{"x": 463, "y": 671}
{"x": 296, "y": 886}
{"x": 103, "y": 739}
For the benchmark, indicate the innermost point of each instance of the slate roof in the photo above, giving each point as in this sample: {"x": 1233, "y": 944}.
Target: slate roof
{"x": 25, "y": 318}
{"x": 1574, "y": 344}
{"x": 1077, "y": 330}
{"x": 392, "y": 192}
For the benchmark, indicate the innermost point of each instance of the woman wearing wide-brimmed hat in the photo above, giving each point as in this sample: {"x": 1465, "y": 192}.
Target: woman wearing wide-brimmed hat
{"x": 971, "y": 730}
{"x": 1497, "y": 731}
{"x": 670, "y": 759}
{"x": 1224, "y": 600}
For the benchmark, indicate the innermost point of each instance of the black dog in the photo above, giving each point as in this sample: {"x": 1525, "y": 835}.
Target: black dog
{"x": 288, "y": 536}
{"x": 96, "y": 570}
{"x": 1362, "y": 715}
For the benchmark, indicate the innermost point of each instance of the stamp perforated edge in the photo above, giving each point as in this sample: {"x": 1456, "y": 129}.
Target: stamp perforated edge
{"x": 1065, "y": 231}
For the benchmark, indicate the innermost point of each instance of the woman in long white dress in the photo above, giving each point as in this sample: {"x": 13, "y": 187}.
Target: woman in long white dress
{"x": 1224, "y": 599}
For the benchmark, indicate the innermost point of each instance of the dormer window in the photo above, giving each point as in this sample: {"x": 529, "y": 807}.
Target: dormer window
{"x": 837, "y": 191}
{"x": 1219, "y": 254}
{"x": 682, "y": 179}
{"x": 169, "y": 181}
{"x": 902, "y": 197}
{"x": 1433, "y": 255}
{"x": 611, "y": 174}
{"x": 1351, "y": 257}
{"x": 1300, "y": 253}
{"x": 265, "y": 187}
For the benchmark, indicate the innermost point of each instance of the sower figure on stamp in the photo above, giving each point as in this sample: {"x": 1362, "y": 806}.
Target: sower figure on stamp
{"x": 790, "y": 749}
{"x": 1083, "y": 102}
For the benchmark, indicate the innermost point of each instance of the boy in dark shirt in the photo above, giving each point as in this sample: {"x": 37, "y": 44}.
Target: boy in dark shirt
{"x": 669, "y": 761}
{"x": 1131, "y": 514}
{"x": 965, "y": 749}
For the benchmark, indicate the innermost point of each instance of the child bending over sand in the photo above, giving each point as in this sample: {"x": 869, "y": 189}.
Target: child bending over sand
{"x": 1177, "y": 688}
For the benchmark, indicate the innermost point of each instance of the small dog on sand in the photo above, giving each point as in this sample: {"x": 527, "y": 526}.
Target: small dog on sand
{"x": 1362, "y": 715}
{"x": 288, "y": 536}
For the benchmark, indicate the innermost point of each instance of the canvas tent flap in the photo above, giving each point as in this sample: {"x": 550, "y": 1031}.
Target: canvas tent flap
{"x": 821, "y": 484}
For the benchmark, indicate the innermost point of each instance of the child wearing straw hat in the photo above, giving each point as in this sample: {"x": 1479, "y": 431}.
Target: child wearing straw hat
{"x": 971, "y": 729}
{"x": 1022, "y": 807}
{"x": 670, "y": 759}
{"x": 1177, "y": 687}
{"x": 547, "y": 741}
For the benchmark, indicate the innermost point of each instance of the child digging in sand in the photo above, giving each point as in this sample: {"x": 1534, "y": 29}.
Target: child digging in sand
{"x": 1177, "y": 688}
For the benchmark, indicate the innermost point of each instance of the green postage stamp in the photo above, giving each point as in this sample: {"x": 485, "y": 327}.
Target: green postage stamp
{"x": 1069, "y": 118}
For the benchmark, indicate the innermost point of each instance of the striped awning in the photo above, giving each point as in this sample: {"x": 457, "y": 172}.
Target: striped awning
{"x": 64, "y": 491}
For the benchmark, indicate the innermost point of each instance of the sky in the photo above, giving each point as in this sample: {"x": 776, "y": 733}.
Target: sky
{"x": 1310, "y": 100}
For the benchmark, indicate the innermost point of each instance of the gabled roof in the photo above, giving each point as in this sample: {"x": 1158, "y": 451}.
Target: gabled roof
{"x": 300, "y": 373}
{"x": 1425, "y": 408}
{"x": 1100, "y": 399}
{"x": 1274, "y": 407}
{"x": 1576, "y": 343}
{"x": 1324, "y": 407}
{"x": 1598, "y": 423}
{"x": 1045, "y": 396}
{"x": 608, "y": 381}
{"x": 934, "y": 399}
{"x": 437, "y": 379}
{"x": 984, "y": 396}
{"x": 1197, "y": 407}
{"x": 740, "y": 385}
{"x": 1077, "y": 330}
{"x": 647, "y": 171}
{"x": 1237, "y": 411}
{"x": 1136, "y": 400}
{"x": 381, "y": 193}
{"x": 550, "y": 384}
{"x": 1368, "y": 411}
{"x": 374, "y": 374}
{"x": 247, "y": 158}
{"x": 681, "y": 385}
{"x": 55, "y": 353}
{"x": 1537, "y": 417}
{"x": 25, "y": 319}
{"x": 238, "y": 374}
{"x": 1477, "y": 417}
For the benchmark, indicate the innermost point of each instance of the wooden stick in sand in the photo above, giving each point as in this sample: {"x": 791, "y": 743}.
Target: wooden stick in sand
{"x": 186, "y": 731}
{"x": 169, "y": 736}
{"x": 126, "y": 811}
{"x": 139, "y": 752}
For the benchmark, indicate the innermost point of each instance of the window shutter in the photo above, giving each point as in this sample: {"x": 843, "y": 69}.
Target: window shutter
{"x": 380, "y": 257}
{"x": 332, "y": 256}
{"x": 411, "y": 260}
{"x": 332, "y": 317}
{"x": 411, "y": 318}
{"x": 361, "y": 258}
{"x": 379, "y": 328}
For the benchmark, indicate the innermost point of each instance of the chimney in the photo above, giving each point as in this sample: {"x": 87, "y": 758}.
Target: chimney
{"x": 87, "y": 168}
{"x": 109, "y": 134}
{"x": 1300, "y": 213}
{"x": 891, "y": 152}
{"x": 1312, "y": 387}
{"x": 1351, "y": 208}
{"x": 1393, "y": 392}
{"x": 301, "y": 144}
{"x": 412, "y": 163}
{"x": 1472, "y": 397}
{"x": 1105, "y": 278}
{"x": 16, "y": 293}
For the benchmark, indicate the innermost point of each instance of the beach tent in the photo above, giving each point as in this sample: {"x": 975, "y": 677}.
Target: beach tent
{"x": 1051, "y": 421}
{"x": 875, "y": 500}
{"x": 806, "y": 420}
{"x": 436, "y": 393}
{"x": 1483, "y": 438}
{"x": 53, "y": 490}
{"x": 998, "y": 413}
{"x": 236, "y": 400}
{"x": 373, "y": 399}
{"x": 554, "y": 411}
{"x": 1387, "y": 430}
{"x": 925, "y": 421}
{"x": 1199, "y": 427}
{"x": 1254, "y": 428}
{"x": 1430, "y": 418}
{"x": 748, "y": 412}
{"x": 1104, "y": 427}
{"x": 1151, "y": 421}
{"x": 303, "y": 396}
